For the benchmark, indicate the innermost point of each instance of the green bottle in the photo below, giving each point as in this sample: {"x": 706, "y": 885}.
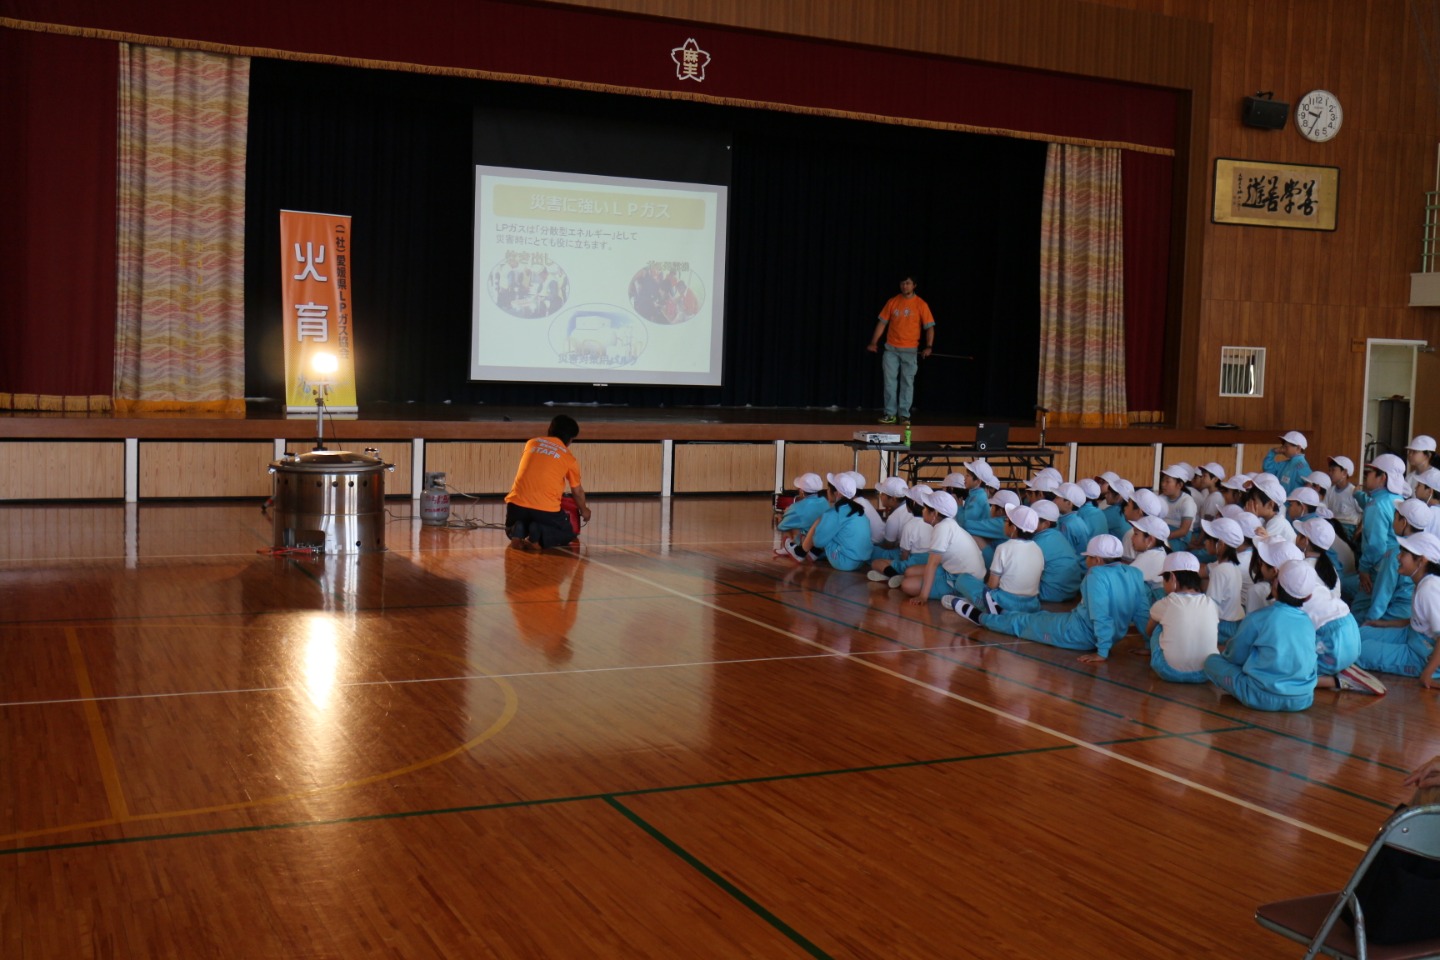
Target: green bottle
{"x": 907, "y": 434}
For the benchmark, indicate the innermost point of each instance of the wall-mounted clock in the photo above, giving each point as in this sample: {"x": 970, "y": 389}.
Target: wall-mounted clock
{"x": 1318, "y": 115}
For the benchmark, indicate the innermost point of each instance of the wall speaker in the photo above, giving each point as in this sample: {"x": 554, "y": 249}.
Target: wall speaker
{"x": 1264, "y": 113}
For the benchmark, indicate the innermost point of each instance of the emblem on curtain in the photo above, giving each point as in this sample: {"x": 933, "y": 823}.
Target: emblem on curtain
{"x": 690, "y": 61}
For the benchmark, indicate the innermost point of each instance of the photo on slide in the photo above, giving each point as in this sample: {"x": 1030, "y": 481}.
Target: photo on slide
{"x": 666, "y": 292}
{"x": 598, "y": 336}
{"x": 528, "y": 285}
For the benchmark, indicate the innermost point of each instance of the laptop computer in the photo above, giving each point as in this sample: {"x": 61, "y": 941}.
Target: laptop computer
{"x": 992, "y": 436}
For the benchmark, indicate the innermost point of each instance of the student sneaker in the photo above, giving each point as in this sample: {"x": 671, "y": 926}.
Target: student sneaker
{"x": 888, "y": 418}
{"x": 990, "y": 603}
{"x": 961, "y": 606}
{"x": 795, "y": 553}
{"x": 1355, "y": 680}
{"x": 895, "y": 581}
{"x": 877, "y": 577}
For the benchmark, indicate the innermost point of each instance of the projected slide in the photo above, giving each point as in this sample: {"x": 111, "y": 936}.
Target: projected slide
{"x": 587, "y": 279}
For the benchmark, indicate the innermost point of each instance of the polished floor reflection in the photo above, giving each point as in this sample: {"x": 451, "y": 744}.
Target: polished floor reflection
{"x": 668, "y": 743}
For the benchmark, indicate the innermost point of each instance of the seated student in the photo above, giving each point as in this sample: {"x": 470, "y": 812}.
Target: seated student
{"x": 1091, "y": 510}
{"x": 1398, "y": 893}
{"x": 1223, "y": 538}
{"x": 1117, "y": 508}
{"x": 1270, "y": 663}
{"x": 980, "y": 480}
{"x": 1042, "y": 486}
{"x": 1384, "y": 489}
{"x": 1149, "y": 536}
{"x": 1069, "y": 499}
{"x": 1337, "y": 645}
{"x": 1315, "y": 538}
{"x": 1184, "y": 624}
{"x": 1419, "y": 457}
{"x": 893, "y": 493}
{"x": 1427, "y": 485}
{"x": 1287, "y": 461}
{"x": 1014, "y": 581}
{"x": 1270, "y": 556}
{"x": 1301, "y": 504}
{"x": 877, "y": 522}
{"x": 1266, "y": 499}
{"x": 990, "y": 532}
{"x": 1245, "y": 554}
{"x": 1113, "y": 597}
{"x": 1207, "y": 483}
{"x": 1340, "y": 498}
{"x": 801, "y": 515}
{"x": 913, "y": 546}
{"x": 1180, "y": 508}
{"x": 1233, "y": 489}
{"x": 1410, "y": 649}
{"x": 1391, "y": 593}
{"x": 1063, "y": 566}
{"x": 842, "y": 534}
{"x": 952, "y": 552}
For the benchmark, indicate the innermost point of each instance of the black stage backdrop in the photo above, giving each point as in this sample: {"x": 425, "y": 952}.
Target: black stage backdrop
{"x": 825, "y": 217}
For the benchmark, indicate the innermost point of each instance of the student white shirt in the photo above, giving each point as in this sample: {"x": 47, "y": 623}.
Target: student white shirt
{"x": 877, "y": 523}
{"x": 1226, "y": 590}
{"x": 895, "y": 523}
{"x": 1425, "y": 611}
{"x": 1179, "y": 510}
{"x": 1191, "y": 624}
{"x": 1210, "y": 504}
{"x": 1342, "y": 504}
{"x": 1127, "y": 546}
{"x": 961, "y": 554}
{"x": 915, "y": 538}
{"x": 1244, "y": 557}
{"x": 1278, "y": 528}
{"x": 1345, "y": 555}
{"x": 1323, "y": 608}
{"x": 1333, "y": 591}
{"x": 1019, "y": 564}
{"x": 1150, "y": 563}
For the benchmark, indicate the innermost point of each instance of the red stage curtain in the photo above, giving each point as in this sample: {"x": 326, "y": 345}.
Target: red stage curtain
{"x": 1147, "y": 274}
{"x": 57, "y": 220}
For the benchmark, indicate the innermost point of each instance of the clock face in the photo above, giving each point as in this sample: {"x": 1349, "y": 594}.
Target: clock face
{"x": 1318, "y": 115}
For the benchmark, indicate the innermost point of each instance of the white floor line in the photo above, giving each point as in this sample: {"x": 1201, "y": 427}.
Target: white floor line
{"x": 995, "y": 711}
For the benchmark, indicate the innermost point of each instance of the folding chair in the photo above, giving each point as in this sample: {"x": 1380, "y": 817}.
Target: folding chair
{"x": 1316, "y": 920}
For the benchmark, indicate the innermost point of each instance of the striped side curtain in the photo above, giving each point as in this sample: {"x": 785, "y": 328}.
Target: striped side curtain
{"x": 180, "y": 329}
{"x": 1082, "y": 289}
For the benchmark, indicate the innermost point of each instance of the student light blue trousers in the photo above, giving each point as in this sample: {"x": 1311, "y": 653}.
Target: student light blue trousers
{"x": 1229, "y": 677}
{"x": 1162, "y": 667}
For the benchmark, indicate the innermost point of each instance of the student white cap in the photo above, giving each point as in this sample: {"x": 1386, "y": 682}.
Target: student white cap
{"x": 1344, "y": 463}
{"x": 1430, "y": 477}
{"x": 1270, "y": 485}
{"x": 1321, "y": 479}
{"x": 1305, "y": 495}
{"x": 1394, "y": 469}
{"x": 1052, "y": 473}
{"x": 1232, "y": 510}
{"x": 1215, "y": 470}
{"x": 1109, "y": 476}
{"x": 1005, "y": 498}
{"x": 1091, "y": 488}
{"x": 1181, "y": 471}
{"x": 1422, "y": 442}
{"x": 1106, "y": 546}
{"x": 921, "y": 493}
{"x": 809, "y": 482}
{"x": 1416, "y": 513}
{"x": 956, "y": 479}
{"x": 1072, "y": 492}
{"x": 1149, "y": 502}
{"x": 893, "y": 487}
{"x": 1225, "y": 530}
{"x": 1154, "y": 526}
{"x": 1237, "y": 482}
{"x": 1318, "y": 532}
{"x": 1295, "y": 437}
{"x": 1298, "y": 579}
{"x": 1277, "y": 552}
{"x": 1249, "y": 524}
{"x": 858, "y": 477}
{"x": 1042, "y": 482}
{"x": 1123, "y": 488}
{"x": 843, "y": 483}
{"x": 1179, "y": 561}
{"x": 1046, "y": 510}
{"x": 983, "y": 473}
{"x": 1023, "y": 517}
{"x": 1425, "y": 545}
{"x": 943, "y": 503}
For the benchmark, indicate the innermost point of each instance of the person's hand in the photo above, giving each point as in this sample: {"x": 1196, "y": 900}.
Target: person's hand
{"x": 1090, "y": 658}
{"x": 873, "y": 348}
{"x": 1366, "y": 583}
{"x": 925, "y": 352}
{"x": 918, "y": 601}
{"x": 1425, "y": 775}
{"x": 585, "y": 514}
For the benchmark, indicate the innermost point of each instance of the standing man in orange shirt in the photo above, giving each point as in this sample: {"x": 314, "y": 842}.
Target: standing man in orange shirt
{"x": 533, "y": 515}
{"x": 907, "y": 317}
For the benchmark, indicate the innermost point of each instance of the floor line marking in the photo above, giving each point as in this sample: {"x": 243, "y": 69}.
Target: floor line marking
{"x": 1024, "y": 721}
{"x": 109, "y": 772}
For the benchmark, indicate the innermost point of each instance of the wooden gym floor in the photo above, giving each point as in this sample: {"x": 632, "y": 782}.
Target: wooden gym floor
{"x": 669, "y": 744}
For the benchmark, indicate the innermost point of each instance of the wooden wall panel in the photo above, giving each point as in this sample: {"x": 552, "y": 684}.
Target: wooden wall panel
{"x": 823, "y": 458}
{"x": 205, "y": 469}
{"x": 480, "y": 469}
{"x": 1196, "y": 456}
{"x": 1136, "y": 464}
{"x": 620, "y": 467}
{"x": 725, "y": 468}
{"x": 1254, "y": 458}
{"x": 486, "y": 469}
{"x": 57, "y": 470}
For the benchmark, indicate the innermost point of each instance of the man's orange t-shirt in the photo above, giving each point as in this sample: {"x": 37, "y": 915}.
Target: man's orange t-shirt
{"x": 545, "y": 467}
{"x": 907, "y": 316}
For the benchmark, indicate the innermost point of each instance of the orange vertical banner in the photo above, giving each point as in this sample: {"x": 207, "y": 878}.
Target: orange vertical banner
{"x": 315, "y": 278}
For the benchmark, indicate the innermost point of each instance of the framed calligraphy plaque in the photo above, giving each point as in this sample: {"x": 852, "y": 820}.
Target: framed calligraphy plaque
{"x": 1260, "y": 194}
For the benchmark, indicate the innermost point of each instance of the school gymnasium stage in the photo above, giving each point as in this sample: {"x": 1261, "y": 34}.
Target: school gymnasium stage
{"x": 666, "y": 742}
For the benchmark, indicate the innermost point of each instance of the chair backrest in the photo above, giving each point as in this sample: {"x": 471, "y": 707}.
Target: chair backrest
{"x": 1415, "y": 830}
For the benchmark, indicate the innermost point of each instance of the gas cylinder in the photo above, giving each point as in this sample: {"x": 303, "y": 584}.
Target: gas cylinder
{"x": 435, "y": 501}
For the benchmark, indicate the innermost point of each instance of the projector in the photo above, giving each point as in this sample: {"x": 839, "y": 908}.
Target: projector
{"x": 873, "y": 436}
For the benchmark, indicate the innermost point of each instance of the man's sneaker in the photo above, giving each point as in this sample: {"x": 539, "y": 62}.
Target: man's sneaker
{"x": 895, "y": 581}
{"x": 793, "y": 550}
{"x": 961, "y": 606}
{"x": 877, "y": 577}
{"x": 887, "y": 419}
{"x": 905, "y": 421}
{"x": 990, "y": 603}
{"x": 1354, "y": 679}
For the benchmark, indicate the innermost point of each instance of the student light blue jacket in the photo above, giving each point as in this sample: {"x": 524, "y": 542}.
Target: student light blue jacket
{"x": 1076, "y": 529}
{"x": 976, "y": 509}
{"x": 802, "y": 514}
{"x": 1063, "y": 567}
{"x": 845, "y": 538}
{"x": 1377, "y": 531}
{"x": 1275, "y": 648}
{"x": 1095, "y": 517}
{"x": 1292, "y": 472}
{"x": 1113, "y": 596}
